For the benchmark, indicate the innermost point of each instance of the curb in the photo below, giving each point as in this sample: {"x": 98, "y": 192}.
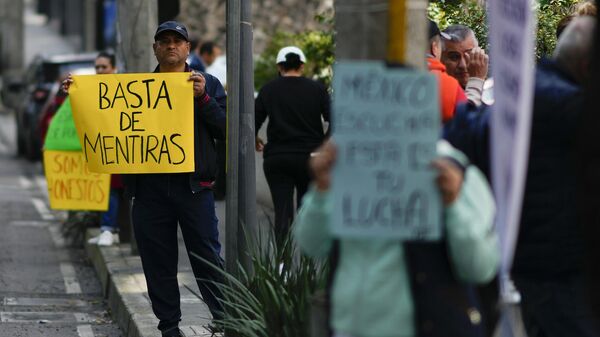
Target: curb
{"x": 127, "y": 298}
{"x": 124, "y": 287}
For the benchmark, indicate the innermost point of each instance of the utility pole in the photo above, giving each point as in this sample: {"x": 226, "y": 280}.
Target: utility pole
{"x": 241, "y": 180}
{"x": 136, "y": 23}
{"x": 392, "y": 30}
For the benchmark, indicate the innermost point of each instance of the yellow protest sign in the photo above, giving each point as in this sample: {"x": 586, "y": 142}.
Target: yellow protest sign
{"x": 135, "y": 123}
{"x": 71, "y": 186}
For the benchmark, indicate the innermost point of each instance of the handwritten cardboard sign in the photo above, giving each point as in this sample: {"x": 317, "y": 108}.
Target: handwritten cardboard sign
{"x": 71, "y": 186}
{"x": 512, "y": 37}
{"x": 385, "y": 124}
{"x": 62, "y": 134}
{"x": 135, "y": 123}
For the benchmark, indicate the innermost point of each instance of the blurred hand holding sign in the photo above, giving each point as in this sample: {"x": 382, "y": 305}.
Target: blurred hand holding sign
{"x": 386, "y": 123}
{"x": 135, "y": 123}
{"x": 62, "y": 134}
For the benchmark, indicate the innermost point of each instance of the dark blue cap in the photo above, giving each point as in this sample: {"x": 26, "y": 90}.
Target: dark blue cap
{"x": 172, "y": 26}
{"x": 434, "y": 31}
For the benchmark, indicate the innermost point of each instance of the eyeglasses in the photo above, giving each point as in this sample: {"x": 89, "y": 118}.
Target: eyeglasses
{"x": 100, "y": 67}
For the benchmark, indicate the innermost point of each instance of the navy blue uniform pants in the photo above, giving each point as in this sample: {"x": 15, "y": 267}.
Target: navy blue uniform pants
{"x": 108, "y": 220}
{"x": 161, "y": 202}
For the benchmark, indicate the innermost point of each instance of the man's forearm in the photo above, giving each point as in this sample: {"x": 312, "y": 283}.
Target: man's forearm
{"x": 474, "y": 90}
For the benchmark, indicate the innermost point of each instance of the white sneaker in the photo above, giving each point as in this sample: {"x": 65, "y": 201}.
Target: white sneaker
{"x": 104, "y": 239}
{"x": 94, "y": 240}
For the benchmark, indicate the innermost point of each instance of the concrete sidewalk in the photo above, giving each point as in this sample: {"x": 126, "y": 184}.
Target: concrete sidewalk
{"x": 124, "y": 285}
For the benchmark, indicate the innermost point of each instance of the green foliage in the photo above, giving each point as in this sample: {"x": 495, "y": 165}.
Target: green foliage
{"x": 550, "y": 12}
{"x": 317, "y": 45}
{"x": 275, "y": 299}
{"x": 469, "y": 13}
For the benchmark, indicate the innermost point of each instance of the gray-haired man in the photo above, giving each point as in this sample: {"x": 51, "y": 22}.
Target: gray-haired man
{"x": 465, "y": 61}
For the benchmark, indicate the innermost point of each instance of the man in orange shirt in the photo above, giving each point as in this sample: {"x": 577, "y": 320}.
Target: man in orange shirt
{"x": 451, "y": 93}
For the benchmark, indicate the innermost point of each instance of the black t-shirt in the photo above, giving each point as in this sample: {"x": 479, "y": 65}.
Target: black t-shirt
{"x": 294, "y": 106}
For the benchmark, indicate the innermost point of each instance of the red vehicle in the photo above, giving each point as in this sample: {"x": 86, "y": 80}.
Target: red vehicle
{"x": 55, "y": 100}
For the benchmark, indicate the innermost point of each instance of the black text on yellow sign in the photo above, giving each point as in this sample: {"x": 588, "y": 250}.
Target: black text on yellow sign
{"x": 135, "y": 123}
{"x": 71, "y": 186}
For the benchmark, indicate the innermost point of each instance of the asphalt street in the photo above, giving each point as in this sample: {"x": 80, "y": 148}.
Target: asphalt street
{"x": 46, "y": 287}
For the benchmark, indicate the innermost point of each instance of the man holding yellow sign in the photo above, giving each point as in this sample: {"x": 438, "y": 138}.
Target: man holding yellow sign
{"x": 165, "y": 125}
{"x": 147, "y": 125}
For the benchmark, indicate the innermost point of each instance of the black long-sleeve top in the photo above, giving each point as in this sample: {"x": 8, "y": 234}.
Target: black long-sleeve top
{"x": 294, "y": 106}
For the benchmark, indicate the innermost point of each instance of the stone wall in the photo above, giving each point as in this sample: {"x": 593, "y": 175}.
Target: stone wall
{"x": 206, "y": 18}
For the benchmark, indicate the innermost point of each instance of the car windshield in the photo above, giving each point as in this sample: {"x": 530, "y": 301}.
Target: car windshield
{"x": 51, "y": 71}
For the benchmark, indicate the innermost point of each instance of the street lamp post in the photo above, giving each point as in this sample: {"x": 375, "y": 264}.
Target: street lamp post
{"x": 241, "y": 178}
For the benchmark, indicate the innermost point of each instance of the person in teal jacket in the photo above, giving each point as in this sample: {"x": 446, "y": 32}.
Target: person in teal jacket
{"x": 375, "y": 290}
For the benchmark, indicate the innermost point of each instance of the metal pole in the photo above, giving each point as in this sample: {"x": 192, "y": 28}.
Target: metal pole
{"x": 233, "y": 130}
{"x": 241, "y": 181}
{"x": 247, "y": 182}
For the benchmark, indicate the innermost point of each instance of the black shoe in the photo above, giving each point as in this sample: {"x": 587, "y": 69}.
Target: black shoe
{"x": 173, "y": 333}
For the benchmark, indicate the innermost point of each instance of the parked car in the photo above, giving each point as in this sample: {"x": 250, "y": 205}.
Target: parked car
{"x": 35, "y": 90}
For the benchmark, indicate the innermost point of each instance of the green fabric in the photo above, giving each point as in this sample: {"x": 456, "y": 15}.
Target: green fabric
{"x": 62, "y": 134}
{"x": 371, "y": 291}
